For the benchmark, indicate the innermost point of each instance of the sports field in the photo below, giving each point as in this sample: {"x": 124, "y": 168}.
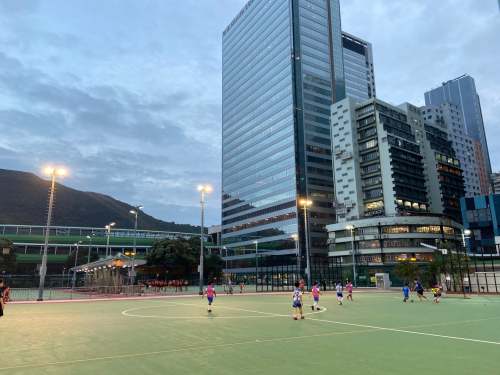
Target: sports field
{"x": 254, "y": 334}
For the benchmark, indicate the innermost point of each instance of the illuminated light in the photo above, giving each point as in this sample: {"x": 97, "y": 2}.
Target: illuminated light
{"x": 305, "y": 202}
{"x": 48, "y": 170}
{"x": 205, "y": 188}
{"x": 61, "y": 172}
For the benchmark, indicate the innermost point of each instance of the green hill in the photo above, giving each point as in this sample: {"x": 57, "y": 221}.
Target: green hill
{"x": 24, "y": 198}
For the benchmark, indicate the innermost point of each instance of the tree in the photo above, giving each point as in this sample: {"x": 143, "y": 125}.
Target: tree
{"x": 407, "y": 271}
{"x": 214, "y": 266}
{"x": 177, "y": 258}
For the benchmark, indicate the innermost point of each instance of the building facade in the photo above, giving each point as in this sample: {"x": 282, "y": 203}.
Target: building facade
{"x": 282, "y": 68}
{"x": 462, "y": 93}
{"x": 358, "y": 68}
{"x": 442, "y": 169}
{"x": 447, "y": 117}
{"x": 481, "y": 215}
{"x": 495, "y": 181}
{"x": 378, "y": 166}
{"x": 379, "y": 243}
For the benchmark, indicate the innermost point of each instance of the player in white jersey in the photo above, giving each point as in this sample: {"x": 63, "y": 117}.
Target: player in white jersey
{"x": 340, "y": 292}
{"x": 297, "y": 302}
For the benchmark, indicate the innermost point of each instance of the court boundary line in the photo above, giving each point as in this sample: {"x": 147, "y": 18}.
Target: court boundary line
{"x": 399, "y": 330}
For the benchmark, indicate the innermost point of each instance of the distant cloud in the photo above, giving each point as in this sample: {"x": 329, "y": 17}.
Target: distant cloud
{"x": 129, "y": 96}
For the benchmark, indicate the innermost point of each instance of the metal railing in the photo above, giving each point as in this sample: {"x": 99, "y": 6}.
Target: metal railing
{"x": 39, "y": 230}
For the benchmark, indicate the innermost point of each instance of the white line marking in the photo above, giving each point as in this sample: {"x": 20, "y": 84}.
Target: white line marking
{"x": 262, "y": 313}
{"x": 406, "y": 331}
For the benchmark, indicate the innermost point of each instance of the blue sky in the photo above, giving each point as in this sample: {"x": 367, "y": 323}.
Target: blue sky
{"x": 127, "y": 93}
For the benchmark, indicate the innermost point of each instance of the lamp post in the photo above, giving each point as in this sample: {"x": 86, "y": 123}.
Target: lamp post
{"x": 134, "y": 212}
{"x": 354, "y": 276}
{"x": 295, "y": 237}
{"x": 307, "y": 203}
{"x": 108, "y": 233}
{"x": 256, "y": 263}
{"x": 76, "y": 263}
{"x": 90, "y": 238}
{"x": 225, "y": 252}
{"x": 53, "y": 173}
{"x": 203, "y": 189}
{"x": 465, "y": 234}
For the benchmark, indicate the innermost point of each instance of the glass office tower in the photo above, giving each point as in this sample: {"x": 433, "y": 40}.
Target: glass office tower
{"x": 462, "y": 92}
{"x": 281, "y": 71}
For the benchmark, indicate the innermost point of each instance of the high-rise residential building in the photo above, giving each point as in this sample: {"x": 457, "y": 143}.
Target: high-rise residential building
{"x": 447, "y": 117}
{"x": 495, "y": 181}
{"x": 442, "y": 169}
{"x": 378, "y": 165}
{"x": 462, "y": 92}
{"x": 282, "y": 68}
{"x": 358, "y": 68}
{"x": 398, "y": 187}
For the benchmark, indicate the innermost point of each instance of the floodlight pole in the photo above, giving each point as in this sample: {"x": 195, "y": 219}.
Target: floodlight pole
{"x": 108, "y": 230}
{"x": 136, "y": 213}
{"x": 202, "y": 204}
{"x": 76, "y": 263}
{"x": 90, "y": 246}
{"x": 305, "y": 203}
{"x": 256, "y": 265}
{"x": 43, "y": 268}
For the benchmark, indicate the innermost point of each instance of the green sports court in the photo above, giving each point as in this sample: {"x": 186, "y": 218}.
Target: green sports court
{"x": 253, "y": 334}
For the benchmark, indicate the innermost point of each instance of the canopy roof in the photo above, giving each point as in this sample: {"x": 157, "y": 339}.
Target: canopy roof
{"x": 112, "y": 262}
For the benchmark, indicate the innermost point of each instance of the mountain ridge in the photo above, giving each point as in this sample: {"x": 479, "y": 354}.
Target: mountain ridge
{"x": 24, "y": 201}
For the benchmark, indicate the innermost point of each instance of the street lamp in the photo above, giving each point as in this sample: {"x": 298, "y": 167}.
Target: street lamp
{"x": 134, "y": 212}
{"x": 465, "y": 234}
{"x": 90, "y": 238}
{"x": 352, "y": 229}
{"x": 108, "y": 233}
{"x": 225, "y": 252}
{"x": 256, "y": 263}
{"x": 53, "y": 172}
{"x": 203, "y": 189}
{"x": 76, "y": 263}
{"x": 295, "y": 237}
{"x": 307, "y": 203}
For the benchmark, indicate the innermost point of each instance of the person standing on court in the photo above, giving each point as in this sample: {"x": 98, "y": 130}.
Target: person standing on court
{"x": 1, "y": 298}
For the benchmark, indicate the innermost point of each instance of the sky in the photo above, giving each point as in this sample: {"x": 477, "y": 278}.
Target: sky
{"x": 127, "y": 94}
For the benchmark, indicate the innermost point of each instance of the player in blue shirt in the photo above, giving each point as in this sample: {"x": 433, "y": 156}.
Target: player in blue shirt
{"x": 406, "y": 293}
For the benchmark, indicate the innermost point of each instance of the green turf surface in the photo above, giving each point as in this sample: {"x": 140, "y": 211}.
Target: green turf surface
{"x": 377, "y": 334}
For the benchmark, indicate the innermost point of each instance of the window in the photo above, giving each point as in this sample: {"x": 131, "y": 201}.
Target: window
{"x": 428, "y": 229}
{"x": 397, "y": 229}
{"x": 374, "y": 205}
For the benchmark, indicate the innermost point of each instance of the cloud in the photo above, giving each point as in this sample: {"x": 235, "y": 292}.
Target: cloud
{"x": 417, "y": 45}
{"x": 129, "y": 96}
{"x": 114, "y": 140}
